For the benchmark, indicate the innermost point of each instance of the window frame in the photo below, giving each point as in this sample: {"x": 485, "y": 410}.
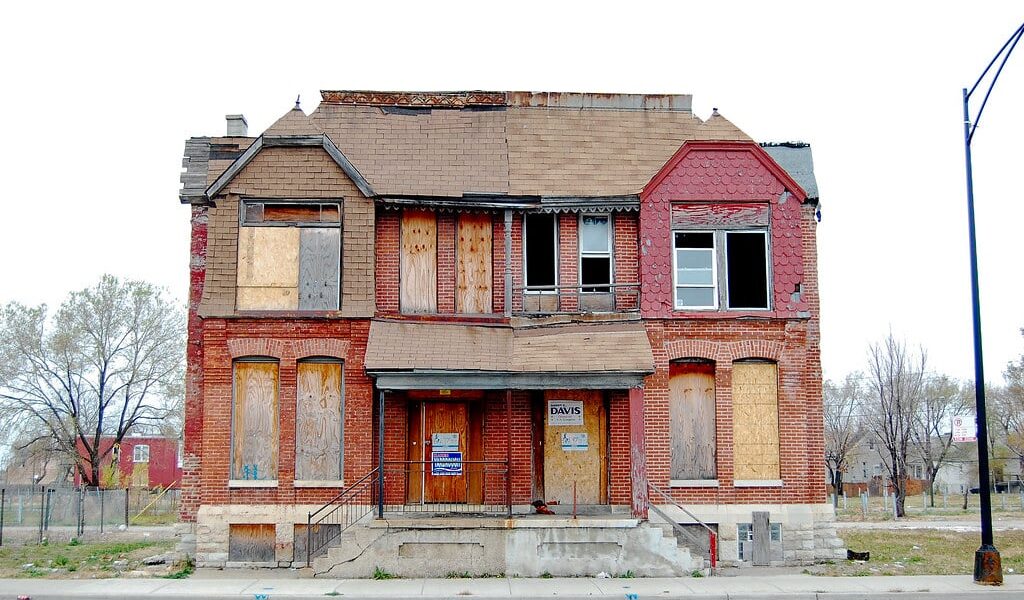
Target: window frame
{"x": 610, "y": 254}
{"x": 714, "y": 270}
{"x": 136, "y": 453}
{"x": 555, "y": 241}
{"x": 239, "y": 482}
{"x": 244, "y": 203}
{"x": 340, "y": 481}
{"x": 720, "y": 269}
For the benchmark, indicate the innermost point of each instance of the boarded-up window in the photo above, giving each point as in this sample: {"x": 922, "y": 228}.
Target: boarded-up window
{"x": 289, "y": 257}
{"x": 254, "y": 428}
{"x": 251, "y": 543}
{"x": 419, "y": 261}
{"x": 755, "y": 396}
{"x": 318, "y": 421}
{"x": 473, "y": 287}
{"x": 692, "y": 420}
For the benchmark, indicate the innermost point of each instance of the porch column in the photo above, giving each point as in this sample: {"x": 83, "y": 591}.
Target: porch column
{"x": 380, "y": 456}
{"x": 639, "y": 500}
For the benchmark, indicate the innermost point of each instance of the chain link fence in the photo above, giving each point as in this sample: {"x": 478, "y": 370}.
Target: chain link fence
{"x": 42, "y": 512}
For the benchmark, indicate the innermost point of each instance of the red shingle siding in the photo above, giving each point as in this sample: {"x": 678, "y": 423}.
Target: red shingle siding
{"x": 708, "y": 175}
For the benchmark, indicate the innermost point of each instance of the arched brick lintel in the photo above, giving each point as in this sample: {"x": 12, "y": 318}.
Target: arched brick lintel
{"x": 320, "y": 347}
{"x": 240, "y": 347}
{"x": 724, "y": 352}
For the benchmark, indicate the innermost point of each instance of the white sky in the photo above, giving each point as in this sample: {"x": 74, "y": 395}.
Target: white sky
{"x": 97, "y": 103}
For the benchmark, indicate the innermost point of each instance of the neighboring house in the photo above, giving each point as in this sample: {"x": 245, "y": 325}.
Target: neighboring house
{"x": 464, "y": 302}
{"x": 142, "y": 461}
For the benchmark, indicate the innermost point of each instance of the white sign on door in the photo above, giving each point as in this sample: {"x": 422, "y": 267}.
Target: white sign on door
{"x": 444, "y": 442}
{"x": 565, "y": 412}
{"x": 575, "y": 442}
{"x": 965, "y": 429}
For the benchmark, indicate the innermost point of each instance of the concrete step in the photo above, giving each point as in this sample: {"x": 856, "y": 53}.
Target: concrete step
{"x": 518, "y": 547}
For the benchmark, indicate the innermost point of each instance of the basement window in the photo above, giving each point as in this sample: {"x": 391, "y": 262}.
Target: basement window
{"x": 745, "y": 539}
{"x": 721, "y": 268}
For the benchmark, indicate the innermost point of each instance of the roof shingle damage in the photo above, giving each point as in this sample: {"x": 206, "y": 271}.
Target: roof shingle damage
{"x": 578, "y": 348}
{"x": 455, "y": 144}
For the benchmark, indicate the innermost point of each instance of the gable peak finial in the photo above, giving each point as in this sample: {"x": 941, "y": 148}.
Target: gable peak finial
{"x": 298, "y": 102}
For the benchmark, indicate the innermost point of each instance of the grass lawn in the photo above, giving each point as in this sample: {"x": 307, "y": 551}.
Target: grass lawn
{"x": 921, "y": 552}
{"x": 84, "y": 560}
{"x": 1007, "y": 506}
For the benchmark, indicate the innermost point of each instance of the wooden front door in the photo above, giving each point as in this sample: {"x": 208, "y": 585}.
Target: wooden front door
{"x": 438, "y": 436}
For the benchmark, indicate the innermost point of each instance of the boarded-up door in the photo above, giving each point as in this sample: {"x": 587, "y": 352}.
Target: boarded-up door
{"x": 755, "y": 396}
{"x": 473, "y": 285}
{"x": 419, "y": 261}
{"x": 575, "y": 448}
{"x": 445, "y": 444}
{"x": 692, "y": 420}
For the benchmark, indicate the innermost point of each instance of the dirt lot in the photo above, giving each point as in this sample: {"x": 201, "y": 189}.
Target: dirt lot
{"x": 90, "y": 560}
{"x": 921, "y": 552}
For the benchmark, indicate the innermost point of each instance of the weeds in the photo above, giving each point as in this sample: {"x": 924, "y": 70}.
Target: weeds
{"x": 379, "y": 573}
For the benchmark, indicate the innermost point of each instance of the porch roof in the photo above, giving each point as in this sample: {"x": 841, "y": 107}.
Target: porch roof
{"x": 411, "y": 355}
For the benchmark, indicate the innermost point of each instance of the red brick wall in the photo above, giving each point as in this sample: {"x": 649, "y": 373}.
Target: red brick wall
{"x": 445, "y": 262}
{"x": 193, "y": 434}
{"x": 288, "y": 340}
{"x": 627, "y": 262}
{"x": 388, "y": 247}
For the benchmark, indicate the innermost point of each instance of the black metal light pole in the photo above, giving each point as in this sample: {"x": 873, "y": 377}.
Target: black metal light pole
{"x": 988, "y": 568}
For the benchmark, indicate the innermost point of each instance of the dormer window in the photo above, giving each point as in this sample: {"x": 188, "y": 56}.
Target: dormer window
{"x": 289, "y": 255}
{"x": 721, "y": 268}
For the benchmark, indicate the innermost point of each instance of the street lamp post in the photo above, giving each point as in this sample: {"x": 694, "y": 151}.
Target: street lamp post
{"x": 987, "y": 563}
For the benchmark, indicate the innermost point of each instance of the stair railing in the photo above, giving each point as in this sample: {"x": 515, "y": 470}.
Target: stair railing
{"x": 328, "y": 522}
{"x": 712, "y": 535}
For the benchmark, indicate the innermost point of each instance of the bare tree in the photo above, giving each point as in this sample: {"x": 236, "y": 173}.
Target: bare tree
{"x": 896, "y": 381}
{"x": 108, "y": 362}
{"x": 942, "y": 398}
{"x": 1007, "y": 410}
{"x": 843, "y": 428}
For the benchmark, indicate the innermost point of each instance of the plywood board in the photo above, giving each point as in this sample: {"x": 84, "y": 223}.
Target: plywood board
{"x": 268, "y": 268}
{"x": 416, "y": 454}
{"x": 692, "y": 420}
{"x": 319, "y": 268}
{"x": 762, "y": 539}
{"x": 473, "y": 266}
{"x": 318, "y": 422}
{"x": 251, "y": 543}
{"x": 565, "y": 466}
{"x": 255, "y": 427}
{"x": 688, "y": 216}
{"x": 755, "y": 387}
{"x": 419, "y": 261}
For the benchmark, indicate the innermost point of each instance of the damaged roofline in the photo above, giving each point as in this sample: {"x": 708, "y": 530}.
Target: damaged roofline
{"x": 289, "y": 141}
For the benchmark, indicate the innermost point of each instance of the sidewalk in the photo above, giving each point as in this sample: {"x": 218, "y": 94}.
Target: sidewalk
{"x": 731, "y": 588}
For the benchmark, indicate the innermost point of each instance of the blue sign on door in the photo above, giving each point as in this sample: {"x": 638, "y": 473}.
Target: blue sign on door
{"x": 446, "y": 463}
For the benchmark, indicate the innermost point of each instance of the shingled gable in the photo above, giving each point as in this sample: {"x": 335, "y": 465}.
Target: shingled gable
{"x": 756, "y": 150}
{"x": 294, "y": 129}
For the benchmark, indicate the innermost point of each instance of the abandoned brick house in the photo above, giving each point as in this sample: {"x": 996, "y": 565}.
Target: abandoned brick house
{"x": 407, "y": 307}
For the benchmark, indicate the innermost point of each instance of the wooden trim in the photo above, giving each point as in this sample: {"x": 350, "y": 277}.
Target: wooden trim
{"x": 463, "y": 380}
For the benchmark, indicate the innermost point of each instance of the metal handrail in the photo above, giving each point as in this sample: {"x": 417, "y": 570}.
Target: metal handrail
{"x": 488, "y": 468}
{"x": 332, "y": 507}
{"x": 712, "y": 535}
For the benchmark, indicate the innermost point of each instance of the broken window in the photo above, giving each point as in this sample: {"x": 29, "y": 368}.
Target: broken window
{"x": 595, "y": 253}
{"x": 319, "y": 412}
{"x": 745, "y": 539}
{"x": 755, "y": 414}
{"x": 699, "y": 261}
{"x": 418, "y": 278}
{"x": 254, "y": 416}
{"x": 691, "y": 389}
{"x": 541, "y": 249}
{"x": 289, "y": 256}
